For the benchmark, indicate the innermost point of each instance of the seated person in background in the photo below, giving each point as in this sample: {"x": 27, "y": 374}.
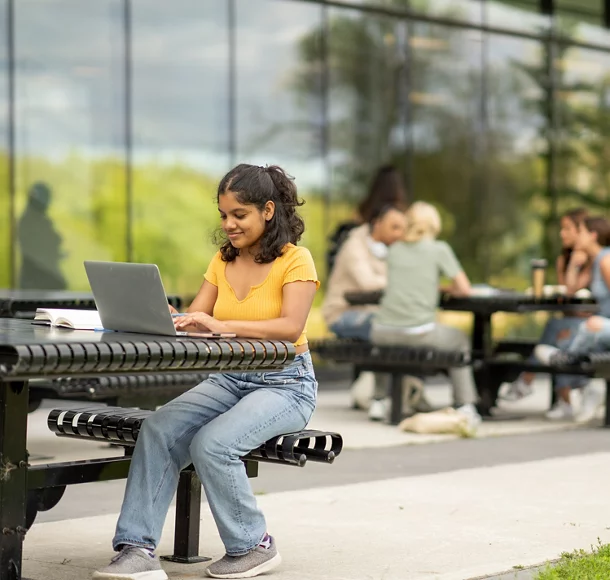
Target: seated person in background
{"x": 407, "y": 314}
{"x": 594, "y": 333}
{"x": 360, "y": 267}
{"x": 574, "y": 272}
{"x": 386, "y": 190}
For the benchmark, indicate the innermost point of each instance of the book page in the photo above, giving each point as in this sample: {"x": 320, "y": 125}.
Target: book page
{"x": 76, "y": 319}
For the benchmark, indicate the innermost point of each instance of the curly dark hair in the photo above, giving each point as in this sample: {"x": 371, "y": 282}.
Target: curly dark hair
{"x": 255, "y": 185}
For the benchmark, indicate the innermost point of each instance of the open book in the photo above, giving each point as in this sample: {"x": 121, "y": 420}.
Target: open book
{"x": 66, "y": 318}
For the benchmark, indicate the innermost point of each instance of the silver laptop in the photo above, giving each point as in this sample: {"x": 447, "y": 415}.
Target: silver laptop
{"x": 130, "y": 298}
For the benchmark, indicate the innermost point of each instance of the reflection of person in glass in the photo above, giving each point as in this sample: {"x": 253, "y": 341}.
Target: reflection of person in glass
{"x": 40, "y": 243}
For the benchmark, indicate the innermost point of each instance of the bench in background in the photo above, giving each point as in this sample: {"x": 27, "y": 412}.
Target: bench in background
{"x": 397, "y": 361}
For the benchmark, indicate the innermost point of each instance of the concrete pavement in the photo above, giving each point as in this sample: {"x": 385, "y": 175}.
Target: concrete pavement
{"x": 521, "y": 494}
{"x": 446, "y": 526}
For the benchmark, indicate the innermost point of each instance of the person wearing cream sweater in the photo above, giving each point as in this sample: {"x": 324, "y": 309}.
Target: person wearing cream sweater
{"x": 360, "y": 267}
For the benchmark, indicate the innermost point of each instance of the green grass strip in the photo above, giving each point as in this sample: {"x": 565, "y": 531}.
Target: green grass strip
{"x": 580, "y": 565}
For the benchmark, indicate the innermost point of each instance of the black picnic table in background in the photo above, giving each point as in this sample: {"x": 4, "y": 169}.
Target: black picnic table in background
{"x": 29, "y": 351}
{"x": 483, "y": 307}
{"x": 23, "y": 303}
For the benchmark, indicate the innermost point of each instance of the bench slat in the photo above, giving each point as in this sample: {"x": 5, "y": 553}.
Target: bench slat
{"x": 122, "y": 425}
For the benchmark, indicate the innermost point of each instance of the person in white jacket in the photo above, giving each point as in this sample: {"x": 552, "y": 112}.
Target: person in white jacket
{"x": 360, "y": 267}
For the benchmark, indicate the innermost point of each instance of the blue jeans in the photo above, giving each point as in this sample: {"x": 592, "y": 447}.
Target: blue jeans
{"x": 212, "y": 426}
{"x": 553, "y": 327}
{"x": 589, "y": 341}
{"x": 353, "y": 324}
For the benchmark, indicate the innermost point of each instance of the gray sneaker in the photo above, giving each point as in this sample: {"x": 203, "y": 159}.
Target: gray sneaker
{"x": 255, "y": 562}
{"x": 131, "y": 563}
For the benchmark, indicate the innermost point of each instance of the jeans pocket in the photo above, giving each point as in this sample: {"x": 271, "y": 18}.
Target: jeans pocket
{"x": 291, "y": 375}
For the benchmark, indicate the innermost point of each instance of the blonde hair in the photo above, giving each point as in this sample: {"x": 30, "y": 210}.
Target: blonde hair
{"x": 423, "y": 220}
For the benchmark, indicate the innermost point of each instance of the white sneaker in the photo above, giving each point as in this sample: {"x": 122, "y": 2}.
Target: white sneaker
{"x": 379, "y": 410}
{"x": 471, "y": 412}
{"x": 516, "y": 390}
{"x": 592, "y": 400}
{"x": 544, "y": 353}
{"x": 561, "y": 411}
{"x": 362, "y": 390}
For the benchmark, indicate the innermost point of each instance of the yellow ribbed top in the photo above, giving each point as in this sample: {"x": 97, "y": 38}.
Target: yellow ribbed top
{"x": 263, "y": 301}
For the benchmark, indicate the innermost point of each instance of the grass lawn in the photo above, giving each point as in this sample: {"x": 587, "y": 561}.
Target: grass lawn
{"x": 580, "y": 565}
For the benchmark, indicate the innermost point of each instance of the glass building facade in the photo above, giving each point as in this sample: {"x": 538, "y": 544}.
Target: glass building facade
{"x": 118, "y": 118}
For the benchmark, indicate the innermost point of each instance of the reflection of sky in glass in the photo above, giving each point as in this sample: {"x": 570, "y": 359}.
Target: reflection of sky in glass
{"x": 513, "y": 93}
{"x": 180, "y": 83}
{"x": 272, "y": 126}
{"x": 70, "y": 86}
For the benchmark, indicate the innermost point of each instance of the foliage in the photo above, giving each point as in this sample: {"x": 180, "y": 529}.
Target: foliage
{"x": 173, "y": 213}
{"x": 433, "y": 134}
{"x": 580, "y": 565}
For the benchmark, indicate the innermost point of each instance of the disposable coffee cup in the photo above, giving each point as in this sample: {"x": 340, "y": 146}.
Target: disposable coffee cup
{"x": 538, "y": 276}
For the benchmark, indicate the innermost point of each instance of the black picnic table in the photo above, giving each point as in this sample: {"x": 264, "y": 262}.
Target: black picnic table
{"x": 29, "y": 351}
{"x": 23, "y": 303}
{"x": 483, "y": 307}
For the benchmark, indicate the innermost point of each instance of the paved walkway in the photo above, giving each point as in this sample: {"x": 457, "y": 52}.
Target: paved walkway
{"x": 459, "y": 509}
{"x": 447, "y": 526}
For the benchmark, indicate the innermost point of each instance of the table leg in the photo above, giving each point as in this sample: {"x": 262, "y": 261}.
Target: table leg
{"x": 482, "y": 348}
{"x": 396, "y": 396}
{"x": 607, "y": 415}
{"x": 186, "y": 530}
{"x": 13, "y": 476}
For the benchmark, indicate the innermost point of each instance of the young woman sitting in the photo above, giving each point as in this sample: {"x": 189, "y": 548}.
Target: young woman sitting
{"x": 258, "y": 285}
{"x": 573, "y": 268}
{"x": 407, "y": 314}
{"x": 592, "y": 334}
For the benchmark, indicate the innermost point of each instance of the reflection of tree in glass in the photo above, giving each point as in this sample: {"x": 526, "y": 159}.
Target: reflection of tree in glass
{"x": 366, "y": 72}
{"x": 575, "y": 152}
{"x": 410, "y": 93}
{"x": 40, "y": 243}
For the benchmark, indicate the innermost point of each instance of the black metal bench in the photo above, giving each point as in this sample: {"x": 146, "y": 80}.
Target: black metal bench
{"x": 592, "y": 365}
{"x": 121, "y": 426}
{"x": 397, "y": 361}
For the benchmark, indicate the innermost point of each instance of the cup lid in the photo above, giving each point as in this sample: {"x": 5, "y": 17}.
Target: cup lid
{"x": 539, "y": 263}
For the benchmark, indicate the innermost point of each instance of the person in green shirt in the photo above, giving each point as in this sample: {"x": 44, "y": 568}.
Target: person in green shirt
{"x": 407, "y": 313}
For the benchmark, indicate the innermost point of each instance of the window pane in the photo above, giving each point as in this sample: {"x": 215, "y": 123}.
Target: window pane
{"x": 447, "y": 136}
{"x": 583, "y": 109}
{"x": 279, "y": 100}
{"x": 460, "y": 10}
{"x": 517, "y": 202}
{"x": 69, "y": 136}
{"x": 367, "y": 103}
{"x": 5, "y": 214}
{"x": 580, "y": 6}
{"x": 180, "y": 127}
{"x": 518, "y": 15}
